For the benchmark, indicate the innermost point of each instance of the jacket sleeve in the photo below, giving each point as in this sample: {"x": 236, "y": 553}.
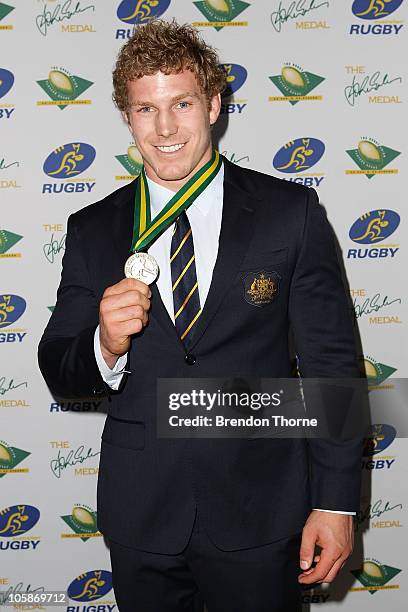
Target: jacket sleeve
{"x": 325, "y": 345}
{"x": 66, "y": 350}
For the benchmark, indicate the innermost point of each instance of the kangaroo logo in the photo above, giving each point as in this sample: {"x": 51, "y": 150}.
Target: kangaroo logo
{"x": 298, "y": 155}
{"x": 374, "y": 226}
{"x": 69, "y": 160}
{"x": 90, "y": 586}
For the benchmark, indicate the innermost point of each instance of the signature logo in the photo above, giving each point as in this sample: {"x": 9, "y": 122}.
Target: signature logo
{"x": 374, "y": 575}
{"x": 61, "y": 462}
{"x": 370, "y": 83}
{"x": 5, "y": 386}
{"x": 19, "y": 589}
{"x": 54, "y": 247}
{"x": 380, "y": 438}
{"x": 140, "y": 11}
{"x": 221, "y": 13}
{"x": 4, "y": 165}
{"x": 11, "y": 309}
{"x": 375, "y": 510}
{"x": 374, "y": 226}
{"x": 232, "y": 156}
{"x": 10, "y": 457}
{"x": 298, "y": 155}
{"x": 375, "y": 9}
{"x": 60, "y": 12}
{"x": 373, "y": 304}
{"x": 295, "y": 84}
{"x": 296, "y": 9}
{"x": 69, "y": 160}
{"x": 83, "y": 522}
{"x": 63, "y": 88}
{"x": 6, "y": 81}
{"x": 90, "y": 586}
{"x": 16, "y": 520}
{"x": 236, "y": 76}
{"x": 372, "y": 158}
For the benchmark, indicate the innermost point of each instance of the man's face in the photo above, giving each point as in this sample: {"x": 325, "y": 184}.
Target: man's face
{"x": 170, "y": 119}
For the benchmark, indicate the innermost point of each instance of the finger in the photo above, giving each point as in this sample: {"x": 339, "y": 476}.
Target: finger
{"x": 128, "y": 328}
{"x": 120, "y": 300}
{"x": 125, "y": 314}
{"x": 307, "y": 548}
{"x": 128, "y": 284}
{"x": 334, "y": 571}
{"x": 327, "y": 560}
{"x": 315, "y": 560}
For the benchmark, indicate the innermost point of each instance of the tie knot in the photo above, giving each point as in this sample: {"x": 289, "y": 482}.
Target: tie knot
{"x": 182, "y": 223}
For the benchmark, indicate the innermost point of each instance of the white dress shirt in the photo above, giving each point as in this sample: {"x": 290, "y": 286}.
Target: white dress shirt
{"x": 204, "y": 215}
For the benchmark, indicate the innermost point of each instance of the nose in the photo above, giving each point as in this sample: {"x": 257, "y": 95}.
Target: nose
{"x": 166, "y": 123}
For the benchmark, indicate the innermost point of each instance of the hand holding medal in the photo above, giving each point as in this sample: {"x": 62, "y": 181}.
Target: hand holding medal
{"x": 123, "y": 312}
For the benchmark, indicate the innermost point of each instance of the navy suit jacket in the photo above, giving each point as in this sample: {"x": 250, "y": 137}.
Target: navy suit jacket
{"x": 248, "y": 491}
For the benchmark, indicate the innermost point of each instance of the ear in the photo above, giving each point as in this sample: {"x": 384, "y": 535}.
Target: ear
{"x": 215, "y": 107}
{"x": 125, "y": 118}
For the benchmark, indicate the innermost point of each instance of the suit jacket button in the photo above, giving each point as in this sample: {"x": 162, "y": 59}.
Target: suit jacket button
{"x": 190, "y": 359}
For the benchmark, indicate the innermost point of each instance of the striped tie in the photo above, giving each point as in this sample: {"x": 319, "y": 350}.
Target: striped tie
{"x": 186, "y": 298}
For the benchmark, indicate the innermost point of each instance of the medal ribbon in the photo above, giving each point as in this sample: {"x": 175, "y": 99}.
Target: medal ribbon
{"x": 146, "y": 231}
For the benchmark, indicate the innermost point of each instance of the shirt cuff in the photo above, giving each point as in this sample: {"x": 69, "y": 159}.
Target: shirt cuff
{"x": 112, "y": 376}
{"x": 336, "y": 511}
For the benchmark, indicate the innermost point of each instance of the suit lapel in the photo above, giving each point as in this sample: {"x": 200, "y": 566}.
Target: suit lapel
{"x": 235, "y": 235}
{"x": 123, "y": 222}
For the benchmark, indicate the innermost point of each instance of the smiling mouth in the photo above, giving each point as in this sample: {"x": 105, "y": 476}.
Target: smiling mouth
{"x": 170, "y": 149}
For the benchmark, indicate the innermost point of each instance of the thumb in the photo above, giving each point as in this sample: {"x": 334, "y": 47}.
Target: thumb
{"x": 307, "y": 548}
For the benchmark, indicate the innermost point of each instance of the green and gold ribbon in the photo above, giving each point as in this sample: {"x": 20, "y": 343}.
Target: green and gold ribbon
{"x": 146, "y": 231}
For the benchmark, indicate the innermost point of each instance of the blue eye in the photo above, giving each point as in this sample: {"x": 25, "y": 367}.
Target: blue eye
{"x": 184, "y": 104}
{"x": 144, "y": 109}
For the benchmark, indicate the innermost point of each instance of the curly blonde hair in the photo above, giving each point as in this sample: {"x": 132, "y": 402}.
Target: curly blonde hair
{"x": 170, "y": 48}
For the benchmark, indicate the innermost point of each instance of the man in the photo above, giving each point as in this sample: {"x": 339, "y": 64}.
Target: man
{"x": 237, "y": 519}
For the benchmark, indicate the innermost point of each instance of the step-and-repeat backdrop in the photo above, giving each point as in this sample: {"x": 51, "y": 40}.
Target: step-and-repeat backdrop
{"x": 316, "y": 94}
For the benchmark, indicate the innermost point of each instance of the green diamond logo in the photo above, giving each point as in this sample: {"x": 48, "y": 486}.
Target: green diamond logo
{"x": 376, "y": 372}
{"x": 10, "y": 457}
{"x": 8, "y": 240}
{"x": 82, "y": 521}
{"x": 372, "y": 158}
{"x": 374, "y": 575}
{"x": 5, "y": 9}
{"x": 62, "y": 87}
{"x": 221, "y": 12}
{"x": 132, "y": 161}
{"x": 295, "y": 84}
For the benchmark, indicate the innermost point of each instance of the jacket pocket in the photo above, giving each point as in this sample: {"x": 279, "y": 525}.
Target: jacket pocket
{"x": 126, "y": 434}
{"x": 265, "y": 259}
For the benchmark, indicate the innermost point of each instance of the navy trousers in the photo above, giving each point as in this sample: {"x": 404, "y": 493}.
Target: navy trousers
{"x": 261, "y": 579}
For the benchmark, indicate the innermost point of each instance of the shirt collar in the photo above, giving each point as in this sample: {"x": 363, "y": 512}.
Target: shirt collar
{"x": 159, "y": 195}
